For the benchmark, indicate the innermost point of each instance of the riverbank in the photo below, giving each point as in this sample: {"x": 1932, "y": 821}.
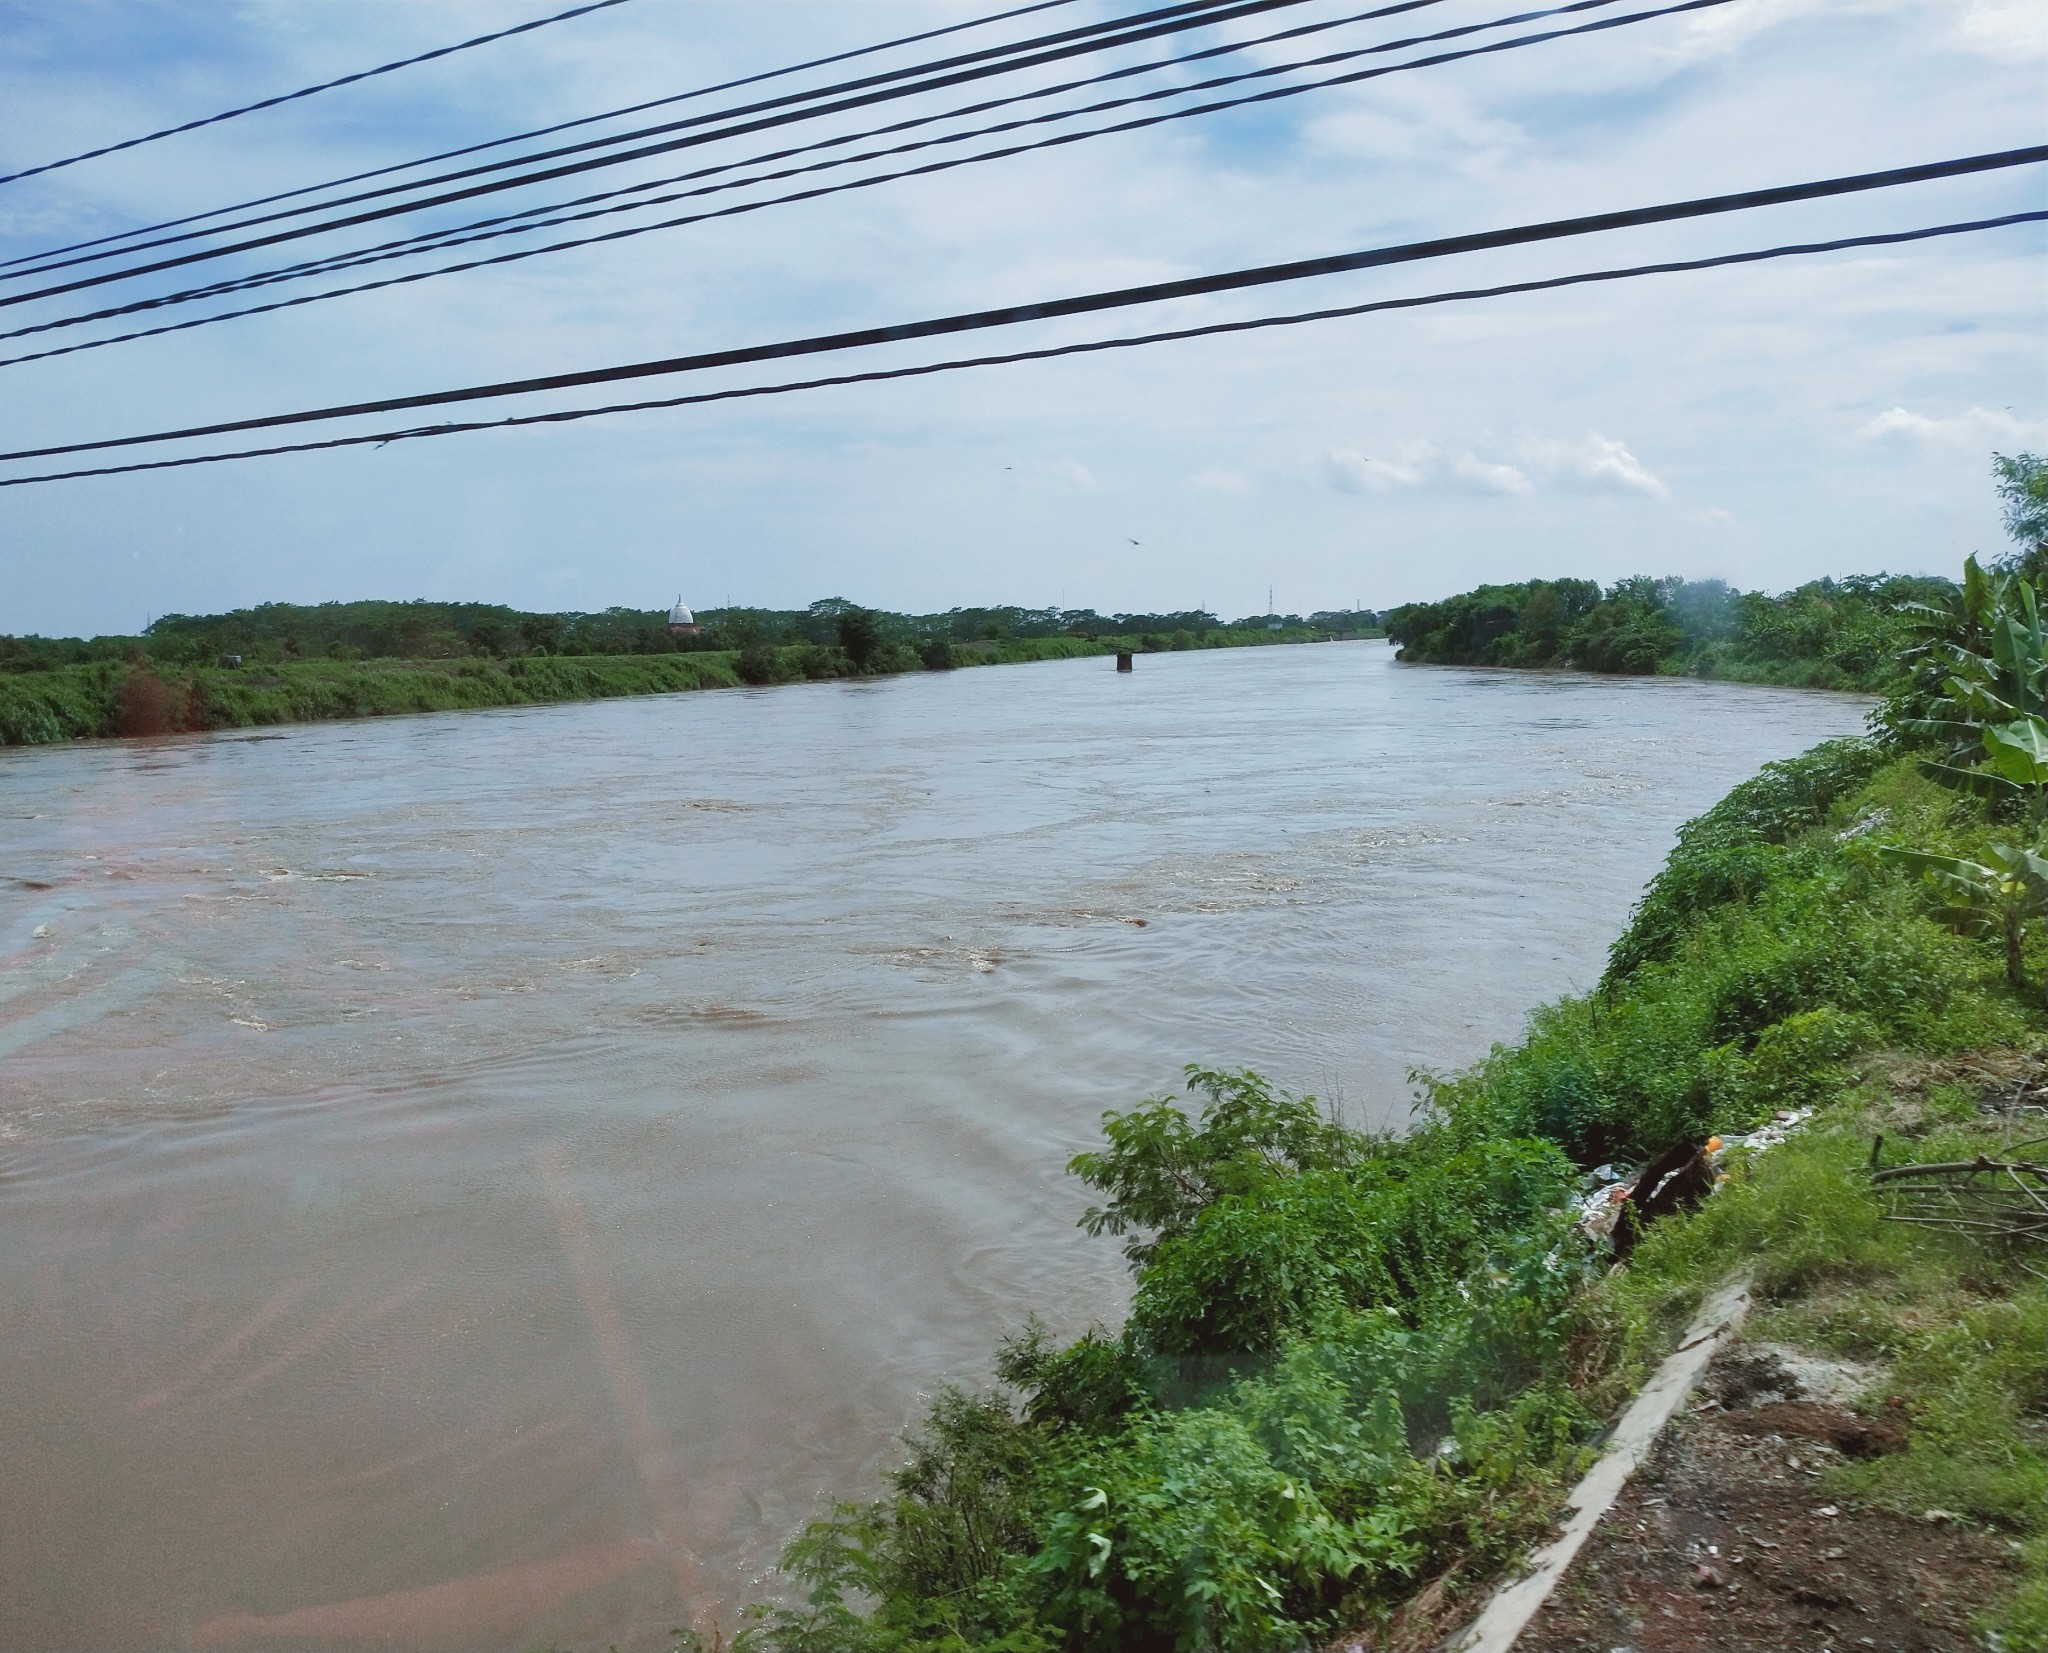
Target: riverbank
{"x": 1360, "y": 1373}
{"x": 117, "y": 697}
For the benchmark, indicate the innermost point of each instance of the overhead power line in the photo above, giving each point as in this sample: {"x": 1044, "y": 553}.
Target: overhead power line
{"x": 1091, "y": 303}
{"x": 1048, "y": 353}
{"x": 538, "y": 132}
{"x": 308, "y": 91}
{"x": 778, "y": 111}
{"x": 537, "y": 217}
{"x": 449, "y": 239}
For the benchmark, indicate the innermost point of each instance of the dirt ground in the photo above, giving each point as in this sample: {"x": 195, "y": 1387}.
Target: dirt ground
{"x": 1723, "y": 1541}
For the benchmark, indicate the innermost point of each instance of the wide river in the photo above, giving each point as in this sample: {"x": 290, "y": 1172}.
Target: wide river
{"x": 483, "y": 1180}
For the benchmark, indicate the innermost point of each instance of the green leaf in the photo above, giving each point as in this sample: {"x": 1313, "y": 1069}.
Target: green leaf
{"x": 1972, "y": 886}
{"x": 1979, "y": 783}
{"x": 2019, "y": 750}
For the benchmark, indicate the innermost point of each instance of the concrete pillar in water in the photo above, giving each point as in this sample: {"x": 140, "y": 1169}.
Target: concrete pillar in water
{"x": 1123, "y": 660}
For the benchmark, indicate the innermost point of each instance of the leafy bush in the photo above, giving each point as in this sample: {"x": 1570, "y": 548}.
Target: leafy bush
{"x": 1399, "y": 1232}
{"x": 1695, "y": 1042}
{"x": 757, "y": 664}
{"x": 1795, "y": 1062}
{"x": 1727, "y": 854}
{"x": 1161, "y": 1169}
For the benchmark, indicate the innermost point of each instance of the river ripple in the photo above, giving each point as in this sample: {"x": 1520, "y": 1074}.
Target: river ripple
{"x": 479, "y": 1179}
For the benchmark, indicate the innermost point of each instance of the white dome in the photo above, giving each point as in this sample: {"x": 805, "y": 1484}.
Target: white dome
{"x": 680, "y": 616}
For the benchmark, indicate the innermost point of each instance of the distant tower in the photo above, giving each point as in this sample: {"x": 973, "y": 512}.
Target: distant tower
{"x": 681, "y": 622}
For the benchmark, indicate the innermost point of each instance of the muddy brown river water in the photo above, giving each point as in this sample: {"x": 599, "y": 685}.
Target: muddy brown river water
{"x": 480, "y": 1180}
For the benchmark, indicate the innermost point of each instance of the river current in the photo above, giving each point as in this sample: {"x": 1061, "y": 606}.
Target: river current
{"x": 483, "y": 1180}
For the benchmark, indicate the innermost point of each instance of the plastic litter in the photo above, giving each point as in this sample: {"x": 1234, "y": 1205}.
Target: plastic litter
{"x": 1606, "y": 1188}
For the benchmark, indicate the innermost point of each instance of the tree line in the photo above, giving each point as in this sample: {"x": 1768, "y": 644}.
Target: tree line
{"x": 421, "y": 630}
{"x": 1831, "y": 634}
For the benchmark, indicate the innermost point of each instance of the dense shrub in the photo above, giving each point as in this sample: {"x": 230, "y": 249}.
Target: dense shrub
{"x": 1732, "y": 851}
{"x": 1399, "y": 1232}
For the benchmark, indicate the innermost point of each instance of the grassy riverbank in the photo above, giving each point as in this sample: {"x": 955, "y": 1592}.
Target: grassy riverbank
{"x": 143, "y": 697}
{"x": 1360, "y": 1372}
{"x": 123, "y": 698}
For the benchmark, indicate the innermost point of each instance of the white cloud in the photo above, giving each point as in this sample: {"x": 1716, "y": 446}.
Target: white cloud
{"x": 1973, "y": 428}
{"x": 1595, "y": 465}
{"x": 1356, "y": 473}
{"x": 1397, "y": 122}
{"x": 1220, "y": 482}
{"x": 1725, "y": 28}
{"x": 1468, "y": 473}
{"x": 1065, "y": 475}
{"x": 2004, "y": 28}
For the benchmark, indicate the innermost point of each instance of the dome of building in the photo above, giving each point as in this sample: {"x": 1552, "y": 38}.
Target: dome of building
{"x": 680, "y": 616}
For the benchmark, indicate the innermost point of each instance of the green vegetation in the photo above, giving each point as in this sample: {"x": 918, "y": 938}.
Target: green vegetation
{"x": 1359, "y": 1371}
{"x": 281, "y": 633}
{"x": 1864, "y": 632}
{"x": 2022, "y": 483}
{"x": 1828, "y": 634}
{"x": 283, "y": 663}
{"x": 134, "y": 698}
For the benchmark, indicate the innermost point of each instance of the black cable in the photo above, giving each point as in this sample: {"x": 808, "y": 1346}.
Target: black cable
{"x": 459, "y": 234}
{"x": 1117, "y": 299}
{"x": 407, "y": 248}
{"x": 308, "y": 91}
{"x": 528, "y": 219}
{"x": 538, "y": 132}
{"x": 881, "y": 88}
{"x": 1209, "y": 330}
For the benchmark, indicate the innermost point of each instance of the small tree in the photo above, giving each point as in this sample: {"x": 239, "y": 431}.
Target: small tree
{"x": 2022, "y": 482}
{"x": 860, "y": 635}
{"x": 1161, "y": 1169}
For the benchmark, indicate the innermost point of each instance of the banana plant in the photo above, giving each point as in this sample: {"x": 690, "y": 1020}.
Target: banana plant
{"x": 1979, "y": 899}
{"x": 2017, "y": 753}
{"x": 1952, "y": 641}
{"x": 1987, "y": 649}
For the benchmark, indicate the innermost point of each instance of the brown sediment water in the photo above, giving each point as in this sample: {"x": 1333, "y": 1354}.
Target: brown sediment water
{"x": 481, "y": 1180}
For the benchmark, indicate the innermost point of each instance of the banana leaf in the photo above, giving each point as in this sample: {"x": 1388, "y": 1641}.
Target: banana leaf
{"x": 1978, "y": 783}
{"x": 2019, "y": 751}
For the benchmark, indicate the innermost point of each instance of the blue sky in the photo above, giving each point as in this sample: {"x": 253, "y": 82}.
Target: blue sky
{"x": 1764, "y": 425}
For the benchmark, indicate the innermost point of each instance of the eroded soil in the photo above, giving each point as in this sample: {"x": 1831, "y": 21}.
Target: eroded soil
{"x": 1724, "y": 1541}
